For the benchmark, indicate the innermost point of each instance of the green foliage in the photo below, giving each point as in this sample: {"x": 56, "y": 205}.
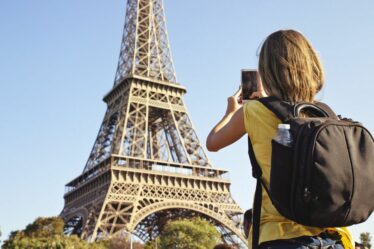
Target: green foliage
{"x": 153, "y": 244}
{"x": 365, "y": 239}
{"x": 189, "y": 234}
{"x": 45, "y": 227}
{"x": 47, "y": 233}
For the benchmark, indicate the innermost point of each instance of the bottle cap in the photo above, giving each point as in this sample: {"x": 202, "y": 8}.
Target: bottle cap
{"x": 284, "y": 126}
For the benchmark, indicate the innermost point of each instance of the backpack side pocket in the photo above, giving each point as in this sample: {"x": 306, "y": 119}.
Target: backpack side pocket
{"x": 281, "y": 177}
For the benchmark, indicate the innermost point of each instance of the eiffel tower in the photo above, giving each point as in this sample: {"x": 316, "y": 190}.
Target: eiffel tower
{"x": 147, "y": 165}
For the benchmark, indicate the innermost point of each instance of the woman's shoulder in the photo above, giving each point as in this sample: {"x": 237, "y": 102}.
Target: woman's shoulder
{"x": 256, "y": 108}
{"x": 252, "y": 104}
{"x": 257, "y": 116}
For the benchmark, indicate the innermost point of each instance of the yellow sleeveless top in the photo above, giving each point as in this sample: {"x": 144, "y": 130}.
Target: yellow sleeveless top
{"x": 262, "y": 126}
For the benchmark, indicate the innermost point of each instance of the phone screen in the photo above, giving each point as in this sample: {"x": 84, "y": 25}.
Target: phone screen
{"x": 249, "y": 82}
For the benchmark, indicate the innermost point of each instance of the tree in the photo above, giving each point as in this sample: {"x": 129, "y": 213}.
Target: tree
{"x": 365, "y": 239}
{"x": 189, "y": 234}
{"x": 47, "y": 233}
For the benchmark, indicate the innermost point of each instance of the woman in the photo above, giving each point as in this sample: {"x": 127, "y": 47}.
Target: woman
{"x": 291, "y": 71}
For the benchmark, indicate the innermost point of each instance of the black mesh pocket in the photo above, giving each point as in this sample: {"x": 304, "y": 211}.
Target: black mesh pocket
{"x": 281, "y": 177}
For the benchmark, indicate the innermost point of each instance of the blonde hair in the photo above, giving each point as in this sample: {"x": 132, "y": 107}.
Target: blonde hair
{"x": 290, "y": 68}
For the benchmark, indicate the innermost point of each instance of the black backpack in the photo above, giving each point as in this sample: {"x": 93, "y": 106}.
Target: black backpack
{"x": 326, "y": 178}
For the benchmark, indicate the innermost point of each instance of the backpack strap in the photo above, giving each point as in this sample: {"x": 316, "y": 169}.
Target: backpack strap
{"x": 281, "y": 109}
{"x": 257, "y": 203}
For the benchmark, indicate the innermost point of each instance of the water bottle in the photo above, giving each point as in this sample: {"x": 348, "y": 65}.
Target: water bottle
{"x": 284, "y": 136}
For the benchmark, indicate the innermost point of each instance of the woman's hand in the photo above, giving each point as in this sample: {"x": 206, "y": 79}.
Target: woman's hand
{"x": 260, "y": 93}
{"x": 234, "y": 102}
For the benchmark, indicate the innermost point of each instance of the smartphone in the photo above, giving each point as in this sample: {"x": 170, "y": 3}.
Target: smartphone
{"x": 250, "y": 77}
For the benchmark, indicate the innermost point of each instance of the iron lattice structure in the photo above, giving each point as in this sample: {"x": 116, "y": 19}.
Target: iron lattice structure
{"x": 147, "y": 165}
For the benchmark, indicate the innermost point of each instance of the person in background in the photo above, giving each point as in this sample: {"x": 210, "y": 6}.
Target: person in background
{"x": 223, "y": 246}
{"x": 359, "y": 246}
{"x": 247, "y": 222}
{"x": 291, "y": 71}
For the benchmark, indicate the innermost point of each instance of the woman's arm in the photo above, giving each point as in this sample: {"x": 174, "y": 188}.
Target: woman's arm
{"x": 230, "y": 128}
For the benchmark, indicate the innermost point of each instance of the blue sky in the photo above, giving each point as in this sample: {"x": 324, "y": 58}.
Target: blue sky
{"x": 58, "y": 59}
